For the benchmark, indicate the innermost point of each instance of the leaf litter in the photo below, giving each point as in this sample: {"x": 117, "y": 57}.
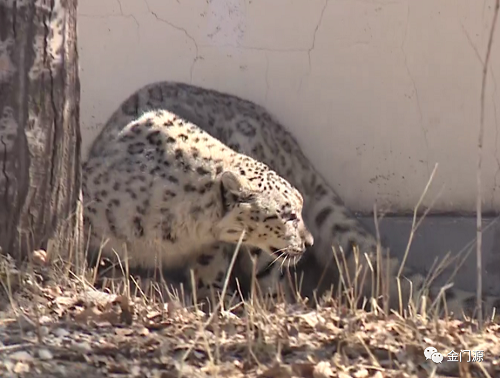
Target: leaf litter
{"x": 53, "y": 327}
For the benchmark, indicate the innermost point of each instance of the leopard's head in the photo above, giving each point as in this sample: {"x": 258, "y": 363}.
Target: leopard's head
{"x": 264, "y": 205}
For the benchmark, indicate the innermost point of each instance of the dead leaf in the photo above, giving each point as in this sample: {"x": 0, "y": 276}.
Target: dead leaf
{"x": 127, "y": 311}
{"x": 361, "y": 373}
{"x": 304, "y": 370}
{"x": 91, "y": 313}
{"x": 39, "y": 257}
{"x": 323, "y": 370}
{"x": 21, "y": 368}
{"x": 277, "y": 371}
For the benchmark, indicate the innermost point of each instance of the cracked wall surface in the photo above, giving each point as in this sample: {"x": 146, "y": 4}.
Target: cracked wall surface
{"x": 376, "y": 92}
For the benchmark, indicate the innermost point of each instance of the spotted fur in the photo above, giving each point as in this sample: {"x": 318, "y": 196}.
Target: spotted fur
{"x": 163, "y": 190}
{"x": 249, "y": 129}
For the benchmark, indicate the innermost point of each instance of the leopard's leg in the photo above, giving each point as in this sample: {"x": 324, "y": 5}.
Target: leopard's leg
{"x": 210, "y": 270}
{"x": 263, "y": 277}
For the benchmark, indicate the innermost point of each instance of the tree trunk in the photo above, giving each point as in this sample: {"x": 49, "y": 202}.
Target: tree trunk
{"x": 40, "y": 177}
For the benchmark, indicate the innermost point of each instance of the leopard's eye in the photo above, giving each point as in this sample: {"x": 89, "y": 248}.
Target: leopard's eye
{"x": 292, "y": 217}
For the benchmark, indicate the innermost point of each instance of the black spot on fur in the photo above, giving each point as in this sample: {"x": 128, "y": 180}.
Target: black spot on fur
{"x": 220, "y": 277}
{"x": 168, "y": 194}
{"x": 256, "y": 252}
{"x": 111, "y": 221}
{"x": 189, "y": 188}
{"x": 196, "y": 210}
{"x": 131, "y": 193}
{"x": 155, "y": 170}
{"x": 173, "y": 179}
{"x": 340, "y": 229}
{"x": 138, "y": 226}
{"x": 246, "y": 128}
{"x": 185, "y": 167}
{"x": 265, "y": 271}
{"x": 195, "y": 152}
{"x": 166, "y": 232}
{"x": 114, "y": 202}
{"x": 202, "y": 171}
{"x": 135, "y": 148}
{"x": 204, "y": 260}
{"x": 320, "y": 191}
{"x": 449, "y": 295}
{"x": 210, "y": 204}
{"x": 131, "y": 106}
{"x": 338, "y": 201}
{"x": 322, "y": 216}
{"x": 153, "y": 137}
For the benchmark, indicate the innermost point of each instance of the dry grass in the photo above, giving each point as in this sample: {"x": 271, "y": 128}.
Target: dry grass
{"x": 54, "y": 325}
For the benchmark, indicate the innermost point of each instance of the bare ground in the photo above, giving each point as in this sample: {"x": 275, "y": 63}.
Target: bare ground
{"x": 62, "y": 327}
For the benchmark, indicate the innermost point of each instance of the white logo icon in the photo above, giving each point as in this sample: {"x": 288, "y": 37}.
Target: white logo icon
{"x": 437, "y": 357}
{"x": 431, "y": 353}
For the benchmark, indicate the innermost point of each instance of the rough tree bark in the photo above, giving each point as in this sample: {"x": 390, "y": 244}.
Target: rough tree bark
{"x": 40, "y": 178}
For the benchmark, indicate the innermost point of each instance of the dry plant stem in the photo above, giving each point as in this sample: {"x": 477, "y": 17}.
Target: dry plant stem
{"x": 219, "y": 304}
{"x": 231, "y": 265}
{"x": 479, "y": 163}
{"x": 379, "y": 251}
{"x": 414, "y": 224}
{"x": 414, "y": 227}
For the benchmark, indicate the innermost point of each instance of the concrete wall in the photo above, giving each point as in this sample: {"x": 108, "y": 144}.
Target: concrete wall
{"x": 377, "y": 92}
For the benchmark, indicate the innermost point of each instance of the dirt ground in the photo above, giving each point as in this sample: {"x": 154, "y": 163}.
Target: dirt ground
{"x": 62, "y": 327}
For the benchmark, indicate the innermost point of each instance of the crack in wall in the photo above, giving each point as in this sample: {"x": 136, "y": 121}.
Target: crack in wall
{"x": 471, "y": 44}
{"x": 121, "y": 14}
{"x": 189, "y": 36}
{"x": 415, "y": 91}
{"x": 109, "y": 15}
{"x": 267, "y": 78}
{"x": 313, "y": 45}
{"x": 128, "y": 16}
{"x": 197, "y": 46}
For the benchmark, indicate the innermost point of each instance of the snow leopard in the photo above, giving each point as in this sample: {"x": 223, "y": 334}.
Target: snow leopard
{"x": 342, "y": 245}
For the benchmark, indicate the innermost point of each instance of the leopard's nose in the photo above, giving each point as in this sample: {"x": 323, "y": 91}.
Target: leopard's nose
{"x": 309, "y": 240}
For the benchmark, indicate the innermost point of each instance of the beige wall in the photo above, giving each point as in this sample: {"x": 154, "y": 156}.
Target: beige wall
{"x": 376, "y": 91}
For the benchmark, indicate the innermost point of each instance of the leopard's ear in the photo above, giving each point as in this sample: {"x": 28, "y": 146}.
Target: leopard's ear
{"x": 232, "y": 182}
